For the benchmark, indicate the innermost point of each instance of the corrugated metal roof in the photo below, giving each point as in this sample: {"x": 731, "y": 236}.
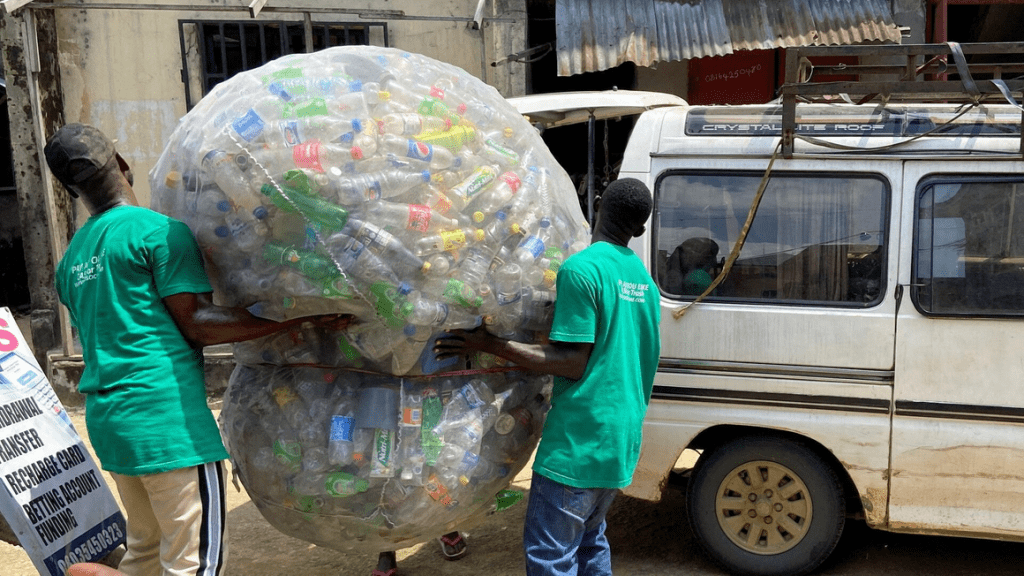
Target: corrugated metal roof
{"x": 600, "y": 34}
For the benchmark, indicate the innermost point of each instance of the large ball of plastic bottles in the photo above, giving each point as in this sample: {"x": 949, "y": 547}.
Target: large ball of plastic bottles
{"x": 357, "y": 461}
{"x": 406, "y": 192}
{"x": 375, "y": 182}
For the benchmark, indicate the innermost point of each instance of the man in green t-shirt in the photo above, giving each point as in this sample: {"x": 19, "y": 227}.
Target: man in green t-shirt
{"x": 134, "y": 283}
{"x": 603, "y": 350}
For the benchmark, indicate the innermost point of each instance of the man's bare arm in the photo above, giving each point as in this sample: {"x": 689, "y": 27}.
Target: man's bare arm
{"x": 566, "y": 359}
{"x": 204, "y": 323}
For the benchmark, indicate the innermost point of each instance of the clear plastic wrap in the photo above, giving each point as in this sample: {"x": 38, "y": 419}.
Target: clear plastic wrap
{"x": 408, "y": 193}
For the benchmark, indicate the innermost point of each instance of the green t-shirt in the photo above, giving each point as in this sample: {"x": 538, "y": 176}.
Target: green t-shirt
{"x": 146, "y": 408}
{"x": 593, "y": 431}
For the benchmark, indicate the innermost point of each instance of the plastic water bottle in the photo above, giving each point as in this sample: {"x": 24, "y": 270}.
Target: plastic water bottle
{"x": 495, "y": 152}
{"x": 411, "y": 124}
{"x": 447, "y": 240}
{"x": 384, "y": 244}
{"x": 538, "y": 309}
{"x": 408, "y": 349}
{"x": 497, "y": 196}
{"x": 416, "y": 217}
{"x": 508, "y": 286}
{"x": 225, "y": 170}
{"x": 319, "y": 156}
{"x": 441, "y": 202}
{"x": 386, "y": 183}
{"x": 421, "y": 311}
{"x": 340, "y": 448}
{"x": 359, "y": 263}
{"x": 534, "y": 245}
{"x": 465, "y": 190}
{"x": 433, "y": 157}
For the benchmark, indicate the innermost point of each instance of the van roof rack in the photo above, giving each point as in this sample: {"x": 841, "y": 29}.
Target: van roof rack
{"x": 919, "y": 73}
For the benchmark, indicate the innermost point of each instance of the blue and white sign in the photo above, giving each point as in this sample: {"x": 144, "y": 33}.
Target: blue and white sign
{"x": 54, "y": 497}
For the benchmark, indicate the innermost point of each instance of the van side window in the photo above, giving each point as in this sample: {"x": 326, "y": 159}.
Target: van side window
{"x": 969, "y": 246}
{"x": 816, "y": 238}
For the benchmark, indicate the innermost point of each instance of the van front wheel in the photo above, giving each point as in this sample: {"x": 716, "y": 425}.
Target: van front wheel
{"x": 766, "y": 506}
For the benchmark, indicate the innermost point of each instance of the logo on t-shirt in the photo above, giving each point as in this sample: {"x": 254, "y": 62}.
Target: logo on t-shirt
{"x": 633, "y": 291}
{"x": 89, "y": 270}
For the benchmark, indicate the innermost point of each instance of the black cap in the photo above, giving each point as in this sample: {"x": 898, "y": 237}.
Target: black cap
{"x": 76, "y": 152}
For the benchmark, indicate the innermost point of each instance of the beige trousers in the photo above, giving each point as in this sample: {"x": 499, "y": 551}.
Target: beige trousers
{"x": 176, "y": 522}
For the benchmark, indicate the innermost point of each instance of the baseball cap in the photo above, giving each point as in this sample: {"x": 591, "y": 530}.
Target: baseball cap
{"x": 76, "y": 152}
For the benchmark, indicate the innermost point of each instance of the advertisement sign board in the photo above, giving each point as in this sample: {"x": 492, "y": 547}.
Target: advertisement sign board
{"x": 54, "y": 497}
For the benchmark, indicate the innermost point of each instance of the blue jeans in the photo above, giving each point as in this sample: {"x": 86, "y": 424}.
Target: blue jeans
{"x": 564, "y": 531}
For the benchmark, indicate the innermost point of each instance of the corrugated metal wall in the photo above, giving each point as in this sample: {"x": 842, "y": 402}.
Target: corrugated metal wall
{"x": 599, "y": 34}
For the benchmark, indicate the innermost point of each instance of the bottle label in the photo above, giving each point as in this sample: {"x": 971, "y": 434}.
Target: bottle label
{"x": 453, "y": 239}
{"x": 420, "y": 151}
{"x": 388, "y": 302}
{"x": 341, "y": 428}
{"x": 291, "y": 132}
{"x": 419, "y": 217}
{"x": 288, "y": 453}
{"x": 472, "y": 398}
{"x": 457, "y": 292}
{"x": 476, "y": 182}
{"x": 533, "y": 245}
{"x": 412, "y": 416}
{"x": 442, "y": 203}
{"x": 506, "y": 298}
{"x": 249, "y": 125}
{"x": 512, "y": 180}
{"x": 307, "y": 155}
{"x": 373, "y": 191}
{"x": 340, "y": 484}
{"x": 500, "y": 153}
{"x": 438, "y": 492}
{"x": 383, "y": 454}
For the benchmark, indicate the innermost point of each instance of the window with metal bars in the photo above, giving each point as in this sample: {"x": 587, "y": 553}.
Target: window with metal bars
{"x": 213, "y": 51}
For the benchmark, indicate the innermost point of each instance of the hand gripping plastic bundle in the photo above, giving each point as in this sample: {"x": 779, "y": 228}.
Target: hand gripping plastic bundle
{"x": 404, "y": 191}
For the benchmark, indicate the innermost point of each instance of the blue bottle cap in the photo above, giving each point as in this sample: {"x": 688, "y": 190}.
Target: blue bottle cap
{"x": 357, "y": 125}
{"x": 224, "y": 206}
{"x": 545, "y": 222}
{"x": 355, "y": 86}
{"x": 404, "y": 288}
{"x": 222, "y": 231}
{"x": 409, "y": 330}
{"x": 425, "y": 175}
{"x": 260, "y": 212}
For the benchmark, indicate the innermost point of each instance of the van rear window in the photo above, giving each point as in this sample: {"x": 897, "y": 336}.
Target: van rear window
{"x": 969, "y": 246}
{"x": 815, "y": 239}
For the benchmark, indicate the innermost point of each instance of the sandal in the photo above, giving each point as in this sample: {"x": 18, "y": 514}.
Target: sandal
{"x": 386, "y": 565}
{"x": 453, "y": 546}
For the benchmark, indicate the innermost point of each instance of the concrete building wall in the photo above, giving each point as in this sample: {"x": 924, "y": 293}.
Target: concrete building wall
{"x": 122, "y": 69}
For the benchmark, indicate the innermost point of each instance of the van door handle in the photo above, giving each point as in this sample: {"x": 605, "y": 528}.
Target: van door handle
{"x": 899, "y": 297}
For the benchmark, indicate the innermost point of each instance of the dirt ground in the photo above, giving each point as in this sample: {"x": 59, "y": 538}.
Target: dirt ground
{"x": 638, "y": 532}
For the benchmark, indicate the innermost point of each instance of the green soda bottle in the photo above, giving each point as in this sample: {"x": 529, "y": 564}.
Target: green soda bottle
{"x": 330, "y": 217}
{"x": 310, "y": 264}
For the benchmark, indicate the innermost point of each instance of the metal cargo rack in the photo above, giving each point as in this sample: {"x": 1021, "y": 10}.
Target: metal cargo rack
{"x": 919, "y": 73}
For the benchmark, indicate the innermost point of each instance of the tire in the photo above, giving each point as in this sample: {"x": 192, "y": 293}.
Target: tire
{"x": 766, "y": 506}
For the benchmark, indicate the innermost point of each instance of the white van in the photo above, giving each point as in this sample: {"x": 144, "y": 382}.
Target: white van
{"x": 864, "y": 356}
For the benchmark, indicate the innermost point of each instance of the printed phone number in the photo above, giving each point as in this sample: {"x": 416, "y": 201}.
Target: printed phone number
{"x": 93, "y": 547}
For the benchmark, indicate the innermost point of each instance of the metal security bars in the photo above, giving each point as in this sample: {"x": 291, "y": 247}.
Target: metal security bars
{"x": 213, "y": 51}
